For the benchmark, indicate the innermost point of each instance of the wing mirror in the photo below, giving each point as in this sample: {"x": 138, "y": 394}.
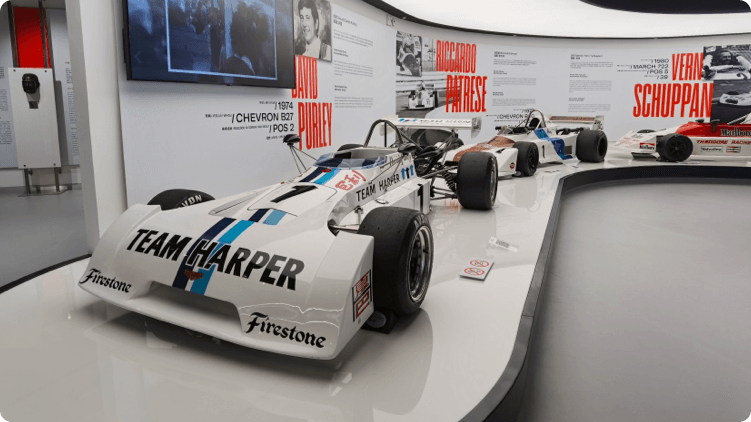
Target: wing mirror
{"x": 407, "y": 148}
{"x": 714, "y": 124}
{"x": 291, "y": 139}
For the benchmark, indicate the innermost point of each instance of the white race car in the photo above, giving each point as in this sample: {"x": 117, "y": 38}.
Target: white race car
{"x": 697, "y": 138}
{"x": 294, "y": 268}
{"x": 423, "y": 98}
{"x": 736, "y": 98}
{"x": 538, "y": 140}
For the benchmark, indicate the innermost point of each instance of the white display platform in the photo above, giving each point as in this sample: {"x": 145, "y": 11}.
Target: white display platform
{"x": 67, "y": 356}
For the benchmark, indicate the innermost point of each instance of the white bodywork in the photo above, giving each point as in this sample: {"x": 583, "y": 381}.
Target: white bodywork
{"x": 725, "y": 140}
{"x": 553, "y": 146}
{"x": 261, "y": 268}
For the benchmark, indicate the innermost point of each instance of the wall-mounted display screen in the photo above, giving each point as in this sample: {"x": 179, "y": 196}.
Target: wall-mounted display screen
{"x": 228, "y": 42}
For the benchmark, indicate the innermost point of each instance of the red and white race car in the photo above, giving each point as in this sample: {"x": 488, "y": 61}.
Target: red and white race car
{"x": 732, "y": 139}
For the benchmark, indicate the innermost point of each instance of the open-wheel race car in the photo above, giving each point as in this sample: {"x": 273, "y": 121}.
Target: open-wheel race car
{"x": 678, "y": 143}
{"x": 438, "y": 140}
{"x": 546, "y": 141}
{"x": 426, "y": 98}
{"x": 294, "y": 268}
{"x": 521, "y": 148}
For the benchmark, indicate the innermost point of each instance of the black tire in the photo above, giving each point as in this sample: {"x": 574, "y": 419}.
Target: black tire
{"x": 645, "y": 131}
{"x": 674, "y": 147}
{"x": 477, "y": 180}
{"x": 591, "y": 146}
{"x": 527, "y": 158}
{"x": 348, "y": 146}
{"x": 732, "y": 93}
{"x": 435, "y": 100}
{"x": 402, "y": 257}
{"x": 179, "y": 198}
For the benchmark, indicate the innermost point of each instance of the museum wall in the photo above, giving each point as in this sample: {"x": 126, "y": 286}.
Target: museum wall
{"x": 226, "y": 139}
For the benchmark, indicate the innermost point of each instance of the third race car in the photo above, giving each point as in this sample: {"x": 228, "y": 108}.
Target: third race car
{"x": 697, "y": 138}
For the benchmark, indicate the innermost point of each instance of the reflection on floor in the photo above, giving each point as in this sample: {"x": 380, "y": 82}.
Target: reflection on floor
{"x": 37, "y": 232}
{"x": 645, "y": 311}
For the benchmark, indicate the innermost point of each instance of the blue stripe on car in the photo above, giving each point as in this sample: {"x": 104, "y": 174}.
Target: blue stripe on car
{"x": 326, "y": 177}
{"x": 258, "y": 215}
{"x": 199, "y": 286}
{"x": 317, "y": 172}
{"x": 274, "y": 218}
{"x": 181, "y": 278}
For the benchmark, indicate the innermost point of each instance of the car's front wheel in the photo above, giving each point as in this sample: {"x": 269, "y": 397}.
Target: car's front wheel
{"x": 477, "y": 180}
{"x": 402, "y": 257}
{"x": 527, "y": 158}
{"x": 675, "y": 147}
{"x": 591, "y": 146}
{"x": 179, "y": 198}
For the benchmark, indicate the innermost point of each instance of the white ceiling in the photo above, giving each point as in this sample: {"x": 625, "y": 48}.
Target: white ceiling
{"x": 568, "y": 18}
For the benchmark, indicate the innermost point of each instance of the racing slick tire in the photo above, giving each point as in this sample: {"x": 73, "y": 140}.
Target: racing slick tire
{"x": 402, "y": 257}
{"x": 591, "y": 146}
{"x": 477, "y": 180}
{"x": 645, "y": 131}
{"x": 179, "y": 198}
{"x": 674, "y": 147}
{"x": 527, "y": 158}
{"x": 348, "y": 146}
{"x": 435, "y": 100}
{"x": 732, "y": 93}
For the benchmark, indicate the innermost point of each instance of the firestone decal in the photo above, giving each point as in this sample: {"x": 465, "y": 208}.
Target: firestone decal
{"x": 293, "y": 334}
{"x": 96, "y": 277}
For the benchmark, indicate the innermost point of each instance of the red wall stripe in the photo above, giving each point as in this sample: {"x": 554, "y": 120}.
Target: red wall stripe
{"x": 29, "y": 37}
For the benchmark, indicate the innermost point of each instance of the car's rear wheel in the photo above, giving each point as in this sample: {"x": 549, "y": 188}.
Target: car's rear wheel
{"x": 179, "y": 198}
{"x": 527, "y": 158}
{"x": 674, "y": 147}
{"x": 402, "y": 257}
{"x": 477, "y": 180}
{"x": 591, "y": 146}
{"x": 732, "y": 93}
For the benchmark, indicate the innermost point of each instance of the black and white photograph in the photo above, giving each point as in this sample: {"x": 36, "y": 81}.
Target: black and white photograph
{"x": 222, "y": 37}
{"x": 731, "y": 100}
{"x": 313, "y": 28}
{"x": 729, "y": 62}
{"x": 408, "y": 54}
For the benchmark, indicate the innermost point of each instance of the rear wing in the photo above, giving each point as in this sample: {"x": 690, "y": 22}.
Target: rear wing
{"x": 474, "y": 124}
{"x": 597, "y": 122}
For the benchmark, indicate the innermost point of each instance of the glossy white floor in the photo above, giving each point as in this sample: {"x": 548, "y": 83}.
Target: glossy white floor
{"x": 66, "y": 356}
{"x": 645, "y": 314}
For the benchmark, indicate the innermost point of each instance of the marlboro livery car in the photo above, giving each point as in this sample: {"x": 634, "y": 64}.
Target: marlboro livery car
{"x": 736, "y": 98}
{"x": 426, "y": 98}
{"x": 294, "y": 268}
{"x": 697, "y": 138}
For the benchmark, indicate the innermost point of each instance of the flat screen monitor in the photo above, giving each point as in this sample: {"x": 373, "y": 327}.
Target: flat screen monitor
{"x": 228, "y": 42}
